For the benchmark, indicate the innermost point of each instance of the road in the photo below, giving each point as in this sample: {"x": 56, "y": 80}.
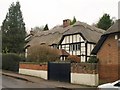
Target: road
{"x": 34, "y": 83}
{"x": 10, "y": 82}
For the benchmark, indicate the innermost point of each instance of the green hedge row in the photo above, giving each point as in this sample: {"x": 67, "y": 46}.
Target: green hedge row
{"x": 10, "y": 62}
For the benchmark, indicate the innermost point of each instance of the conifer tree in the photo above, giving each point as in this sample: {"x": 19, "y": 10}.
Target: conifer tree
{"x": 105, "y": 22}
{"x": 73, "y": 21}
{"x": 13, "y": 30}
{"x": 46, "y": 28}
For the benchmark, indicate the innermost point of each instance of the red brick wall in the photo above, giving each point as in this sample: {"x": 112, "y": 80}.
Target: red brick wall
{"x": 85, "y": 68}
{"x": 119, "y": 56}
{"x": 33, "y": 66}
{"x": 108, "y": 59}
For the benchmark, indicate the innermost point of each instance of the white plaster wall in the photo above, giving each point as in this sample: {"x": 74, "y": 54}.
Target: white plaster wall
{"x": 84, "y": 79}
{"x": 38, "y": 73}
{"x": 78, "y": 52}
{"x": 63, "y": 42}
{"x": 74, "y": 38}
{"x": 71, "y": 39}
{"x": 78, "y": 38}
{"x": 26, "y": 51}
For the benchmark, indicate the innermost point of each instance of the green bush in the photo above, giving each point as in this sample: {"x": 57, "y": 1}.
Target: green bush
{"x": 93, "y": 59}
{"x": 10, "y": 61}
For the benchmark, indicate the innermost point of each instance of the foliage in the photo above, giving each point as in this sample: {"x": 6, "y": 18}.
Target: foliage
{"x": 11, "y": 61}
{"x": 105, "y": 22}
{"x": 37, "y": 29}
{"x": 46, "y": 28}
{"x": 42, "y": 53}
{"x": 93, "y": 59}
{"x": 73, "y": 58}
{"x": 73, "y": 21}
{"x": 13, "y": 30}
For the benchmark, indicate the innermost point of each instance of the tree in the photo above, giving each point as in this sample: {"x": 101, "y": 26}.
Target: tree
{"x": 38, "y": 29}
{"x": 13, "y": 30}
{"x": 73, "y": 21}
{"x": 105, "y": 22}
{"x": 46, "y": 28}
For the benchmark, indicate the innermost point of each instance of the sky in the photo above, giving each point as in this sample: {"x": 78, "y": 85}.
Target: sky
{"x": 53, "y": 12}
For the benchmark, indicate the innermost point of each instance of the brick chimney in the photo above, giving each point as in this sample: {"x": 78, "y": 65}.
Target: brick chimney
{"x": 66, "y": 22}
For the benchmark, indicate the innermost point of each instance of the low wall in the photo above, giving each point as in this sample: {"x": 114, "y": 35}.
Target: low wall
{"x": 84, "y": 79}
{"x": 81, "y": 73}
{"x": 37, "y": 73}
{"x": 84, "y": 73}
{"x": 39, "y": 70}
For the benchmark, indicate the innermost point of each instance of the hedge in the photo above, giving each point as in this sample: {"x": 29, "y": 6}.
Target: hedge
{"x": 10, "y": 62}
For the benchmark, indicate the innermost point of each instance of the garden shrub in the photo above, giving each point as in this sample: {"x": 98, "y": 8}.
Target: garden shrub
{"x": 42, "y": 53}
{"x": 93, "y": 59}
{"x": 10, "y": 61}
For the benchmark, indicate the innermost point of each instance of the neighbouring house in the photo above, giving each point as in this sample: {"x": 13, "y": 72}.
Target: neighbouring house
{"x": 108, "y": 53}
{"x": 77, "y": 39}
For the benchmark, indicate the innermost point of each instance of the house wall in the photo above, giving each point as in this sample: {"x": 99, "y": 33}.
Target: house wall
{"x": 26, "y": 51}
{"x": 108, "y": 59}
{"x": 119, "y": 55}
{"x": 72, "y": 39}
{"x": 76, "y": 45}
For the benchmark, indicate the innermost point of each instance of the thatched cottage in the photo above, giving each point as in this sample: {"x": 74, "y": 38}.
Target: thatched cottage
{"x": 77, "y": 39}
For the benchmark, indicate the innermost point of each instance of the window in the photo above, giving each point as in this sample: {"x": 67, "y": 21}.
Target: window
{"x": 78, "y": 46}
{"x": 74, "y": 47}
{"x": 71, "y": 47}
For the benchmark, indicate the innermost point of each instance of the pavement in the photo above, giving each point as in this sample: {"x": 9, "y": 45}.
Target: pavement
{"x": 57, "y": 84}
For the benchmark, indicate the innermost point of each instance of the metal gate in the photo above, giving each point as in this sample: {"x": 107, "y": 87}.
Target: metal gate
{"x": 59, "y": 71}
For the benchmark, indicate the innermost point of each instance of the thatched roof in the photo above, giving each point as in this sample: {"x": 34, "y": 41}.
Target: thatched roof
{"x": 114, "y": 29}
{"x": 54, "y": 35}
{"x": 90, "y": 33}
{"x": 49, "y": 37}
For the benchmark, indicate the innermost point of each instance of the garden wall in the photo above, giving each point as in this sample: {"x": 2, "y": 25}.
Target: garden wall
{"x": 33, "y": 69}
{"x": 81, "y": 73}
{"x": 84, "y": 73}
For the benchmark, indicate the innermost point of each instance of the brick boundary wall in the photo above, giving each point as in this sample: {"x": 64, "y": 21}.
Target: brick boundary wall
{"x": 85, "y": 74}
{"x": 85, "y": 68}
{"x": 33, "y": 66}
{"x": 81, "y": 73}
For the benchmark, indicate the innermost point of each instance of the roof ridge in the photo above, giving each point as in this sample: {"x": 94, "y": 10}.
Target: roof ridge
{"x": 93, "y": 28}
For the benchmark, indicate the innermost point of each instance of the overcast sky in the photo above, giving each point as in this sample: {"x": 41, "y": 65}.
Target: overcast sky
{"x": 52, "y": 12}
